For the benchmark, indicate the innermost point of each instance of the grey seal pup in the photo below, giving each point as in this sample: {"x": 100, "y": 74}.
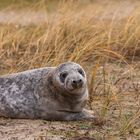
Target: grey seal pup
{"x": 50, "y": 93}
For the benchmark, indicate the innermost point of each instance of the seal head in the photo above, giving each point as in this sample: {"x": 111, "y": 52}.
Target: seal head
{"x": 70, "y": 77}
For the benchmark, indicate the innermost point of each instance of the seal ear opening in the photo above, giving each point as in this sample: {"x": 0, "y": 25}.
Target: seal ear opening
{"x": 50, "y": 81}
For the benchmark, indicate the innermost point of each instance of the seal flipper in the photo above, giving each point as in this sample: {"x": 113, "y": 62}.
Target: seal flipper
{"x": 65, "y": 115}
{"x": 80, "y": 116}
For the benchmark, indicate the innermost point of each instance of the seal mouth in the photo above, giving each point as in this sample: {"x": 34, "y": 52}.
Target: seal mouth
{"x": 74, "y": 90}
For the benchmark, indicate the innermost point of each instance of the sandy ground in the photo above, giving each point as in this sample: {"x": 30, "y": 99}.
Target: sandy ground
{"x": 127, "y": 102}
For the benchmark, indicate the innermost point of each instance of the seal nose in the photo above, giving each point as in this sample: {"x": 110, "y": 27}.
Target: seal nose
{"x": 77, "y": 83}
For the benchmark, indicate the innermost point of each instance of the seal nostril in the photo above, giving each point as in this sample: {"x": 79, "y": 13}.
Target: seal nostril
{"x": 74, "y": 81}
{"x": 77, "y": 83}
{"x": 80, "y": 80}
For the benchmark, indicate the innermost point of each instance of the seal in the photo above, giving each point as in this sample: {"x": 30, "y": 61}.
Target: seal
{"x": 50, "y": 93}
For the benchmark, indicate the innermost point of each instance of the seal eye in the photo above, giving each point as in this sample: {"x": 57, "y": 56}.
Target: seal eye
{"x": 63, "y": 76}
{"x": 81, "y": 72}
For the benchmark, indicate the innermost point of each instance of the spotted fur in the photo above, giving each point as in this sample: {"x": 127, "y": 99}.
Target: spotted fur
{"x": 39, "y": 94}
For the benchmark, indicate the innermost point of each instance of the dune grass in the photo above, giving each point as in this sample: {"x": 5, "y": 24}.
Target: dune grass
{"x": 83, "y": 35}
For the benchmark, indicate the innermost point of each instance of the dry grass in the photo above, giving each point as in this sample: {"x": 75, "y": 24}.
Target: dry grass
{"x": 84, "y": 34}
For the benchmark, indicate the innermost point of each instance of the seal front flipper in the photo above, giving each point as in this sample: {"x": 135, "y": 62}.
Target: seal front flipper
{"x": 81, "y": 116}
{"x": 86, "y": 115}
